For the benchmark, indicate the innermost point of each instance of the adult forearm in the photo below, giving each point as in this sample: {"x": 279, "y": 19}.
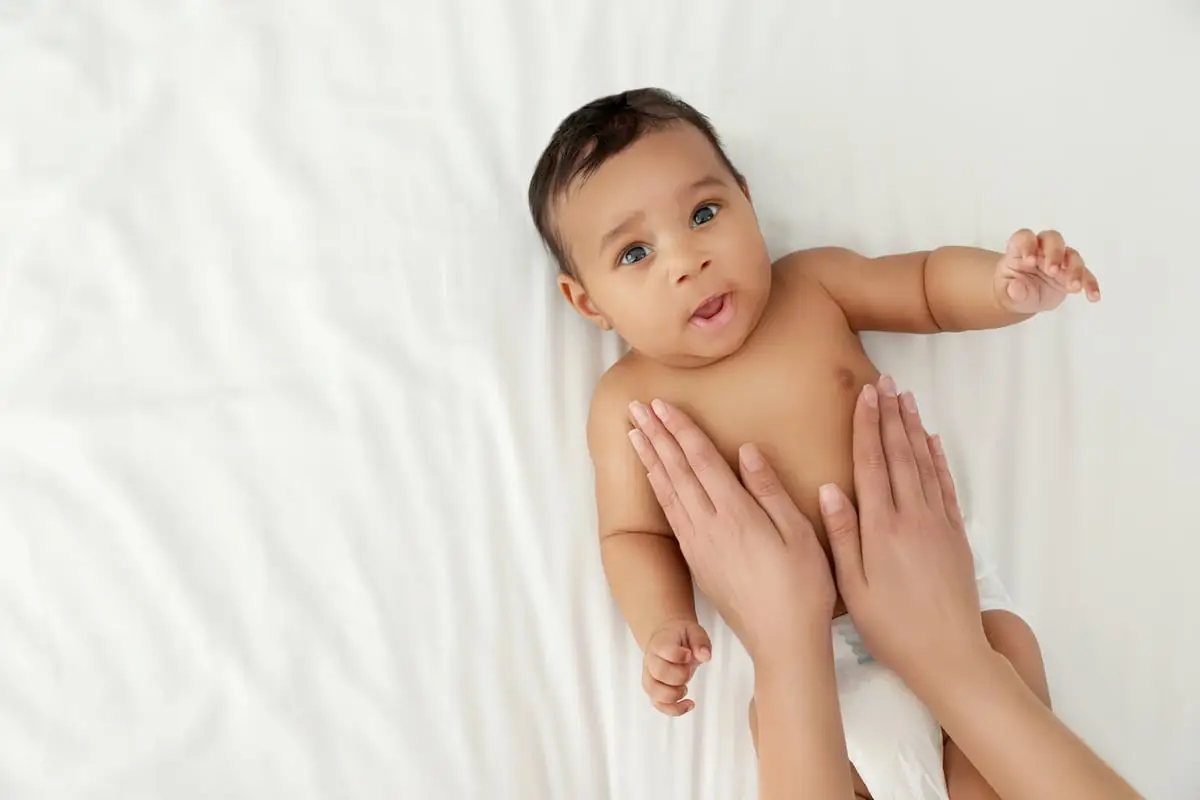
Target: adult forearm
{"x": 960, "y": 289}
{"x": 801, "y": 742}
{"x": 1012, "y": 738}
{"x": 1011, "y": 637}
{"x": 649, "y": 579}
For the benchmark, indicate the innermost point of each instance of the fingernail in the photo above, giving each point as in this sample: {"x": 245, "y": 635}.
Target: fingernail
{"x": 870, "y": 396}
{"x": 909, "y": 401}
{"x": 831, "y": 498}
{"x": 752, "y": 459}
{"x": 935, "y": 444}
{"x": 1075, "y": 286}
{"x": 705, "y": 654}
{"x": 640, "y": 415}
{"x": 887, "y": 386}
{"x": 660, "y": 408}
{"x": 638, "y": 439}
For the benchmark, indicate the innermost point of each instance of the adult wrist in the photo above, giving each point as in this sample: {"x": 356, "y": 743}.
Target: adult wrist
{"x": 965, "y": 675}
{"x": 781, "y": 654}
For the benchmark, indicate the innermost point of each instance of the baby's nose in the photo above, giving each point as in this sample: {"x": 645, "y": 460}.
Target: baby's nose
{"x": 690, "y": 267}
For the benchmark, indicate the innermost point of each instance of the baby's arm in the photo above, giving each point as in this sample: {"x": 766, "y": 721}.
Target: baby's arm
{"x": 645, "y": 569}
{"x": 646, "y": 572}
{"x": 950, "y": 288}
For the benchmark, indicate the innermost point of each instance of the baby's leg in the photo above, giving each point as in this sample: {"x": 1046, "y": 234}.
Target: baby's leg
{"x": 754, "y": 725}
{"x": 963, "y": 781}
{"x": 860, "y": 788}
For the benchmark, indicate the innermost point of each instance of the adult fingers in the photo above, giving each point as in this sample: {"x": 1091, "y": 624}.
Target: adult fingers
{"x": 918, "y": 440}
{"x": 678, "y": 471}
{"x": 664, "y": 491}
{"x": 706, "y": 462}
{"x": 901, "y": 465}
{"x": 764, "y": 486}
{"x": 841, "y": 526}
{"x": 871, "y": 482}
{"x": 946, "y": 483}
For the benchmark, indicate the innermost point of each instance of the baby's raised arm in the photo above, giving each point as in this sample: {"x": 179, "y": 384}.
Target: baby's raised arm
{"x": 950, "y": 288}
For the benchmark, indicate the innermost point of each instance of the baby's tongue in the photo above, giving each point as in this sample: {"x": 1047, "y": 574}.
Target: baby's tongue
{"x": 709, "y": 309}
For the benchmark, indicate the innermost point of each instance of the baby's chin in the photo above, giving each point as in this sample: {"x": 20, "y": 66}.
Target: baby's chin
{"x": 687, "y": 357}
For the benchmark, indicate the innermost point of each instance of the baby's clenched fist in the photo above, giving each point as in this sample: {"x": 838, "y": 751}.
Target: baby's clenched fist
{"x": 672, "y": 655}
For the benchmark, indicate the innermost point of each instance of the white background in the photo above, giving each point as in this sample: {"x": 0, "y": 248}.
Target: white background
{"x": 294, "y": 497}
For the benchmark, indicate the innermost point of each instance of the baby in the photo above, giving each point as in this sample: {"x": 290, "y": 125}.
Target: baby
{"x": 656, "y": 237}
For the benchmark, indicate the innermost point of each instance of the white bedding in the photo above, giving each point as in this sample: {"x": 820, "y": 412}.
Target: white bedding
{"x": 294, "y": 497}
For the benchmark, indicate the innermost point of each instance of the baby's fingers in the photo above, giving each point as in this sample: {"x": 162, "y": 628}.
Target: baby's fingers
{"x": 1091, "y": 286}
{"x": 1053, "y": 251}
{"x": 1073, "y": 269}
{"x": 667, "y": 699}
{"x": 675, "y": 709}
{"x": 1022, "y": 247}
{"x": 1078, "y": 278}
{"x": 1023, "y": 296}
{"x": 667, "y": 672}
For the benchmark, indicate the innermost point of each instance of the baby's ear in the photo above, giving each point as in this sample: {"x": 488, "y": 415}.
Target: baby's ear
{"x": 577, "y": 296}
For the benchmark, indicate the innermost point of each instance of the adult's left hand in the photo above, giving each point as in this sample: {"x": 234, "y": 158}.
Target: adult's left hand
{"x": 751, "y": 550}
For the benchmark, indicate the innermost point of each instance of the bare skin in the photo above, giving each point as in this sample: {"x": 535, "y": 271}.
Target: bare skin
{"x": 904, "y": 567}
{"x": 780, "y": 365}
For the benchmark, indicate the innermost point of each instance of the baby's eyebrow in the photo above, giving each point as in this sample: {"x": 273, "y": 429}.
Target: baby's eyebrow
{"x": 621, "y": 229}
{"x": 706, "y": 182}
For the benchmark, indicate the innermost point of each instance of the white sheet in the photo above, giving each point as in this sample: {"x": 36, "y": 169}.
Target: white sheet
{"x": 294, "y": 498}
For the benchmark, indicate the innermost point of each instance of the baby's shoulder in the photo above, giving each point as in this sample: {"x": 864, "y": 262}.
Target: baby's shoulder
{"x": 633, "y": 377}
{"x": 801, "y": 280}
{"x": 620, "y": 385}
{"x": 809, "y": 267}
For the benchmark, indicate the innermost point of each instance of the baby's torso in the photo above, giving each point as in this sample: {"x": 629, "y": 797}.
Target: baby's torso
{"x": 790, "y": 390}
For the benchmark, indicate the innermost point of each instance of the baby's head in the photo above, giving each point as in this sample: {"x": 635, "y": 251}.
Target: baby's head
{"x": 652, "y": 227}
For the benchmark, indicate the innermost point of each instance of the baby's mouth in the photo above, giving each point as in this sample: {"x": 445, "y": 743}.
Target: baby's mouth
{"x": 710, "y": 308}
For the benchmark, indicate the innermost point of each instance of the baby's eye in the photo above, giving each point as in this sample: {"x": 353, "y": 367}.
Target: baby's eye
{"x": 634, "y": 254}
{"x": 704, "y": 214}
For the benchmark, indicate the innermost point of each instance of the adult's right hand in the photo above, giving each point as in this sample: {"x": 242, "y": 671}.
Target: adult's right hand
{"x": 750, "y": 549}
{"x": 903, "y": 564}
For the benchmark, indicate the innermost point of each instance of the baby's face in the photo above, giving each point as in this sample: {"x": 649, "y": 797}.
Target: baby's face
{"x": 667, "y": 250}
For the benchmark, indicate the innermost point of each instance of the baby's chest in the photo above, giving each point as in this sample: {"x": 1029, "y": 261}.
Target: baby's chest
{"x": 795, "y": 403}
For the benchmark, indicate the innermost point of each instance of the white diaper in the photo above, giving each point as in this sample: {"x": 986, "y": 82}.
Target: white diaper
{"x": 891, "y": 738}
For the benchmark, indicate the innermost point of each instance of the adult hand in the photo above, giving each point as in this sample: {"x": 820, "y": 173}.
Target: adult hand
{"x": 904, "y": 566}
{"x": 751, "y": 550}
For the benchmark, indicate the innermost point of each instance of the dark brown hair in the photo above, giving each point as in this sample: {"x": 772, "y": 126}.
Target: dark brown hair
{"x": 594, "y": 133}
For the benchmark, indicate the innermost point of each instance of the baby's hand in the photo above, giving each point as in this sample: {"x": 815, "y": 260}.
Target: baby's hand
{"x": 1036, "y": 273}
{"x": 672, "y": 655}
